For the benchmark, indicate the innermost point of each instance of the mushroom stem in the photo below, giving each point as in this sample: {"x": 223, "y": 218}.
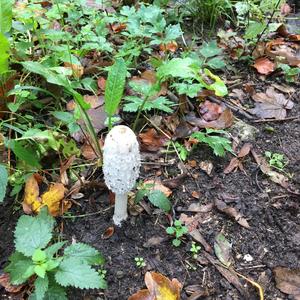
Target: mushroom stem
{"x": 120, "y": 213}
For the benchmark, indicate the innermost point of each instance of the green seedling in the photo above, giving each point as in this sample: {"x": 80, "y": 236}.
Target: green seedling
{"x": 276, "y": 160}
{"x": 102, "y": 272}
{"x": 51, "y": 266}
{"x": 140, "y": 262}
{"x": 178, "y": 230}
{"x": 195, "y": 250}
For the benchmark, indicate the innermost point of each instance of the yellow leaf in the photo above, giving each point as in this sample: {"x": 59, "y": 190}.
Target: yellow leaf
{"x": 31, "y": 202}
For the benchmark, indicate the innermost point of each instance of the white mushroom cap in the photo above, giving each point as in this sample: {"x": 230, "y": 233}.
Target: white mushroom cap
{"x": 121, "y": 159}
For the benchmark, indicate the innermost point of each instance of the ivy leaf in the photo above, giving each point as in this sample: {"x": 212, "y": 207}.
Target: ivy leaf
{"x": 159, "y": 199}
{"x": 72, "y": 272}
{"x": 210, "y": 49}
{"x": 41, "y": 287}
{"x": 114, "y": 86}
{"x": 3, "y": 182}
{"x": 33, "y": 232}
{"x": 20, "y": 268}
{"x": 84, "y": 253}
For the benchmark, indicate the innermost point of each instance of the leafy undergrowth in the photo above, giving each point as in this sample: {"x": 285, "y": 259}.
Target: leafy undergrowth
{"x": 71, "y": 70}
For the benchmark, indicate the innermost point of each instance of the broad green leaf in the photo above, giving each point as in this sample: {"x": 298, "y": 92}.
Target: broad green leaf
{"x": 84, "y": 253}
{"x": 53, "y": 249}
{"x": 72, "y": 272}
{"x": 4, "y": 52}
{"x": 33, "y": 232}
{"x": 114, "y": 86}
{"x": 3, "y": 182}
{"x": 223, "y": 250}
{"x": 5, "y": 15}
{"x": 210, "y": 49}
{"x": 216, "y": 63}
{"x": 20, "y": 268}
{"x": 253, "y": 30}
{"x": 159, "y": 199}
{"x": 170, "y": 230}
{"x": 64, "y": 116}
{"x": 39, "y": 255}
{"x": 177, "y": 67}
{"x": 28, "y": 156}
{"x": 219, "y": 86}
{"x": 41, "y": 287}
{"x": 172, "y": 33}
{"x": 40, "y": 270}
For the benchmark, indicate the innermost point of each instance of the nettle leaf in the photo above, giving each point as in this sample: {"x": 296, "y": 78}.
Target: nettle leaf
{"x": 33, "y": 232}
{"x": 216, "y": 63}
{"x": 176, "y": 67}
{"x": 41, "y": 287}
{"x": 172, "y": 32}
{"x": 72, "y": 272}
{"x": 159, "y": 199}
{"x": 210, "y": 49}
{"x": 114, "y": 86}
{"x": 53, "y": 249}
{"x": 3, "y": 182}
{"x": 5, "y": 15}
{"x": 20, "y": 268}
{"x": 84, "y": 253}
{"x": 253, "y": 30}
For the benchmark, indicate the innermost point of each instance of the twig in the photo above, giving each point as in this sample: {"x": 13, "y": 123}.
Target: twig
{"x": 277, "y": 120}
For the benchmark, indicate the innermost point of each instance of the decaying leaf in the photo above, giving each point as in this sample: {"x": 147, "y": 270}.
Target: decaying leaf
{"x": 158, "y": 186}
{"x": 266, "y": 169}
{"x": 53, "y": 198}
{"x": 5, "y": 282}
{"x": 231, "y": 212}
{"x": 210, "y": 111}
{"x": 288, "y": 281}
{"x": 206, "y": 166}
{"x": 108, "y": 233}
{"x": 223, "y": 250}
{"x": 77, "y": 70}
{"x": 271, "y": 105}
{"x": 159, "y": 288}
{"x": 151, "y": 140}
{"x": 264, "y": 66}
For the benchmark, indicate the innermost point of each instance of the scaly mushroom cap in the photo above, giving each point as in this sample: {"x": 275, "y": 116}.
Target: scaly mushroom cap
{"x": 121, "y": 159}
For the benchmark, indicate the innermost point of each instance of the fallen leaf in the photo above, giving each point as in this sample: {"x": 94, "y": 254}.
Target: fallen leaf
{"x": 118, "y": 27}
{"x": 151, "y": 140}
{"x": 206, "y": 166}
{"x": 108, "y": 233}
{"x": 159, "y": 288}
{"x": 31, "y": 195}
{"x": 197, "y": 207}
{"x": 210, "y": 111}
{"x": 231, "y": 212}
{"x": 88, "y": 152}
{"x": 264, "y": 66}
{"x": 101, "y": 83}
{"x": 77, "y": 70}
{"x": 223, "y": 250}
{"x": 271, "y": 105}
{"x": 158, "y": 186}
{"x": 5, "y": 282}
{"x": 174, "y": 182}
{"x": 196, "y": 194}
{"x": 154, "y": 241}
{"x": 171, "y": 46}
{"x": 288, "y": 281}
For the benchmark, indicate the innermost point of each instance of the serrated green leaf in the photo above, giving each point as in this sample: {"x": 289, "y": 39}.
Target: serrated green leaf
{"x": 172, "y": 33}
{"x": 210, "y": 49}
{"x": 3, "y": 182}
{"x": 20, "y": 268}
{"x": 159, "y": 199}
{"x": 33, "y": 232}
{"x": 223, "y": 250}
{"x": 40, "y": 270}
{"x": 114, "y": 86}
{"x": 216, "y": 63}
{"x": 41, "y": 287}
{"x": 84, "y": 253}
{"x": 5, "y": 15}
{"x": 29, "y": 156}
{"x": 176, "y": 242}
{"x": 53, "y": 249}
{"x": 39, "y": 255}
{"x": 4, "y": 53}
{"x": 72, "y": 273}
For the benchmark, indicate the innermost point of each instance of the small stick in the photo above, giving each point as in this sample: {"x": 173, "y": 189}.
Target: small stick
{"x": 277, "y": 120}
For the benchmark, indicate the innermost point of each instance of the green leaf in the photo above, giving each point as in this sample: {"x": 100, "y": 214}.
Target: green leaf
{"x": 39, "y": 255}
{"x": 219, "y": 86}
{"x": 253, "y": 30}
{"x": 114, "y": 86}
{"x": 216, "y": 63}
{"x": 223, "y": 250}
{"x": 172, "y": 33}
{"x": 177, "y": 67}
{"x": 20, "y": 268}
{"x": 33, "y": 232}
{"x": 72, "y": 272}
{"x": 210, "y": 49}
{"x": 40, "y": 270}
{"x": 41, "y": 287}
{"x": 29, "y": 156}
{"x": 5, "y": 15}
{"x": 4, "y": 52}
{"x": 84, "y": 253}
{"x": 159, "y": 199}
{"x": 3, "y": 182}
{"x": 176, "y": 242}
{"x": 64, "y": 116}
{"x": 170, "y": 230}
{"x": 53, "y": 249}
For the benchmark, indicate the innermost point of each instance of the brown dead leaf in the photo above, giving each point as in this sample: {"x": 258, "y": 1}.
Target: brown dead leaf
{"x": 231, "y": 212}
{"x": 271, "y": 104}
{"x": 196, "y": 194}
{"x": 154, "y": 241}
{"x": 158, "y": 186}
{"x": 118, "y": 27}
{"x": 175, "y": 182}
{"x": 5, "y": 282}
{"x": 77, "y": 70}
{"x": 171, "y": 46}
{"x": 264, "y": 66}
{"x": 159, "y": 288}
{"x": 88, "y": 152}
{"x": 108, "y": 233}
{"x": 101, "y": 83}
{"x": 266, "y": 169}
{"x": 206, "y": 166}
{"x": 288, "y": 281}
{"x": 197, "y": 207}
{"x": 151, "y": 140}
{"x": 210, "y": 111}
